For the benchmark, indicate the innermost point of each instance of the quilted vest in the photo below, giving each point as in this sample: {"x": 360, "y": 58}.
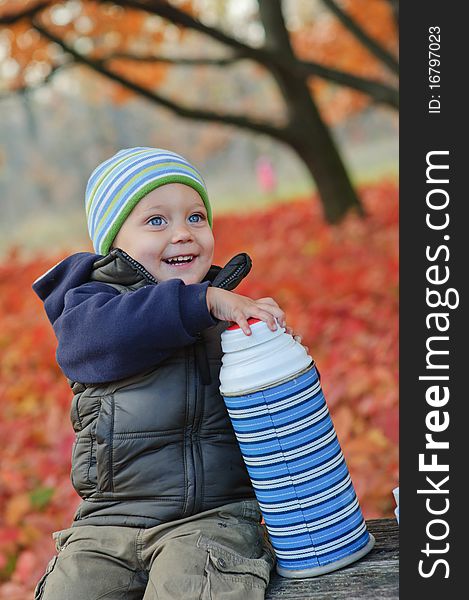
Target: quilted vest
{"x": 158, "y": 446}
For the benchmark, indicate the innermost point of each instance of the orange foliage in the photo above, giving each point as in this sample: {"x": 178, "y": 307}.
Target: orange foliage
{"x": 95, "y": 29}
{"x": 338, "y": 287}
{"x": 329, "y": 43}
{"x": 99, "y": 30}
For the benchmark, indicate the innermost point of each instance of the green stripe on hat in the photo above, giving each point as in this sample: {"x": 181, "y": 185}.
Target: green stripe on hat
{"x": 133, "y": 201}
{"x": 107, "y": 210}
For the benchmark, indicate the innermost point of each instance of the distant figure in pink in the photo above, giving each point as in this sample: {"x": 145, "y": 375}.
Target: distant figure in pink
{"x": 265, "y": 174}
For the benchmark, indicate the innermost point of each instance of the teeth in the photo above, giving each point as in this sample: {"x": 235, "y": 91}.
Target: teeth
{"x": 179, "y": 259}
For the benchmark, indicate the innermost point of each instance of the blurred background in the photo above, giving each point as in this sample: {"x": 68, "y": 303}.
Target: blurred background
{"x": 290, "y": 110}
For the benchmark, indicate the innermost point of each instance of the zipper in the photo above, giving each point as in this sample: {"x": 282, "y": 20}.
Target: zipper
{"x": 201, "y": 360}
{"x": 190, "y": 439}
{"x": 196, "y": 453}
{"x": 141, "y": 269}
{"x": 195, "y": 422}
{"x": 189, "y": 464}
{"x": 136, "y": 265}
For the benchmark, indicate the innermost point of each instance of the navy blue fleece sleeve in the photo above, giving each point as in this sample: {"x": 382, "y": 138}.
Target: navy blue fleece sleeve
{"x": 104, "y": 335}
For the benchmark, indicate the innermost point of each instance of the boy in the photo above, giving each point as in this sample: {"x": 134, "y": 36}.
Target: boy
{"x": 168, "y": 510}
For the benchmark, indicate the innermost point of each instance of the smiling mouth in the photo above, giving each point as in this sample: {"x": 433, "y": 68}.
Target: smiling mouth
{"x": 183, "y": 259}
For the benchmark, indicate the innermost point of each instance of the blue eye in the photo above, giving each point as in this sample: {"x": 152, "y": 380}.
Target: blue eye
{"x": 196, "y": 218}
{"x": 156, "y": 221}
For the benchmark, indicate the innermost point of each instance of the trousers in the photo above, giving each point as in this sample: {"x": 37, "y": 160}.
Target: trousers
{"x": 220, "y": 554}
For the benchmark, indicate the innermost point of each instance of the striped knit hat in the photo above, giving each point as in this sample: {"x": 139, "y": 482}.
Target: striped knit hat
{"x": 117, "y": 185}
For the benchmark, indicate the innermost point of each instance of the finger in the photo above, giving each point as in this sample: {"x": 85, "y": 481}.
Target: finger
{"x": 242, "y": 321}
{"x": 297, "y": 338}
{"x": 280, "y": 315}
{"x": 275, "y": 311}
{"x": 268, "y": 304}
{"x": 265, "y": 316}
{"x": 289, "y": 330}
{"x": 269, "y": 301}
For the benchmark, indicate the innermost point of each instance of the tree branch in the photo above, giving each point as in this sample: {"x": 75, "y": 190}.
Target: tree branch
{"x": 182, "y": 111}
{"x": 369, "y": 43}
{"x": 395, "y": 12}
{"x": 276, "y": 34}
{"x": 10, "y": 19}
{"x": 270, "y": 58}
{"x": 25, "y": 89}
{"x": 150, "y": 58}
{"x": 378, "y": 91}
{"x": 179, "y": 17}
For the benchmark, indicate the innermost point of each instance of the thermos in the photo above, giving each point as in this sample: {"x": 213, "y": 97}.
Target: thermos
{"x": 273, "y": 394}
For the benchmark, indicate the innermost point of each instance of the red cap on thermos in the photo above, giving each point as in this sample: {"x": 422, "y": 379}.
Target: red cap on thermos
{"x": 251, "y": 321}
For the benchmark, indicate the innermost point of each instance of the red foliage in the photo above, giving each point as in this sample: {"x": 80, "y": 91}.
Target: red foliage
{"x": 339, "y": 288}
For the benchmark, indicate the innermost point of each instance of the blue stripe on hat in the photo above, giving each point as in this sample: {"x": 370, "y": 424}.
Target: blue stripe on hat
{"x": 113, "y": 176}
{"x": 120, "y": 182}
{"x": 110, "y": 206}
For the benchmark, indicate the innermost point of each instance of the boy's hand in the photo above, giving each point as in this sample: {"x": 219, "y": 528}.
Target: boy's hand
{"x": 228, "y": 306}
{"x": 296, "y": 337}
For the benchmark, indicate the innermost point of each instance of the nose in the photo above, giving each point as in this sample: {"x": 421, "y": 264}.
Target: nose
{"x": 181, "y": 233}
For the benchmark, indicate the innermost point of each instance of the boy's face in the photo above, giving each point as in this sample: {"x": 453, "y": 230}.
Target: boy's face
{"x": 168, "y": 224}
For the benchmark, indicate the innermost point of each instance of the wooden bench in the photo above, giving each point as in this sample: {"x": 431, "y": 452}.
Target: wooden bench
{"x": 375, "y": 576}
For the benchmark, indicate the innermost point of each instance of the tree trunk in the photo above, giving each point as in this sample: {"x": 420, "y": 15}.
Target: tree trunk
{"x": 311, "y": 139}
{"x": 315, "y": 146}
{"x": 336, "y": 193}
{"x": 306, "y": 131}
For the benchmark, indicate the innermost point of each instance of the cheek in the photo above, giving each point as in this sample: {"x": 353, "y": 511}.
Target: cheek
{"x": 149, "y": 254}
{"x": 151, "y": 245}
{"x": 209, "y": 244}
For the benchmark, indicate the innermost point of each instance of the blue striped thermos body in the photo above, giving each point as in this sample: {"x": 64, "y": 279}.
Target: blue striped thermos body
{"x": 282, "y": 423}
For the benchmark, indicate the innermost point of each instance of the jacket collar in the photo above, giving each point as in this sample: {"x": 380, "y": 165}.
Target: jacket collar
{"x": 118, "y": 267}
